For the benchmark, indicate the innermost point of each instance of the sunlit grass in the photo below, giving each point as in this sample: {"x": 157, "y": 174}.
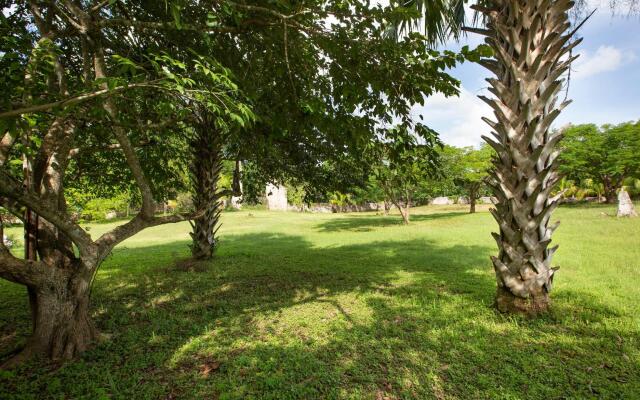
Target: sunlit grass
{"x": 355, "y": 306}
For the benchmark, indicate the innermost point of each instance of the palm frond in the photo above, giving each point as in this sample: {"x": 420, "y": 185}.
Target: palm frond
{"x": 439, "y": 20}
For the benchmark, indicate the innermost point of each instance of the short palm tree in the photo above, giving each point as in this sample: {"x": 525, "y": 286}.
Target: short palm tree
{"x": 531, "y": 42}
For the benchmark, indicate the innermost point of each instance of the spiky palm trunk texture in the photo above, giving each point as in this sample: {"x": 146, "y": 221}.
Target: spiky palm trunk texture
{"x": 205, "y": 173}
{"x": 530, "y": 40}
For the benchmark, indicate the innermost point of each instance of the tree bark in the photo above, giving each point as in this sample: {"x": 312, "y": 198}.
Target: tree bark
{"x": 407, "y": 206}
{"x": 404, "y": 212}
{"x": 63, "y": 326}
{"x": 473, "y": 193}
{"x": 405, "y": 215}
{"x": 506, "y": 302}
{"x": 609, "y": 190}
{"x": 529, "y": 40}
{"x": 205, "y": 173}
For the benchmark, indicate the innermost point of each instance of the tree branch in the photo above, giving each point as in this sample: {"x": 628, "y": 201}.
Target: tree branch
{"x": 28, "y": 273}
{"x": 76, "y": 99}
{"x": 148, "y": 204}
{"x": 172, "y": 26}
{"x": 5, "y": 146}
{"x": 13, "y": 190}
{"x": 109, "y": 240}
{"x": 100, "y": 6}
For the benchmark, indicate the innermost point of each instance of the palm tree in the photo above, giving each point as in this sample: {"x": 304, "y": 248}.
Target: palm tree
{"x": 206, "y": 167}
{"x": 531, "y": 42}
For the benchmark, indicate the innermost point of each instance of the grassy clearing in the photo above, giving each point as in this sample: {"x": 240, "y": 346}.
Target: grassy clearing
{"x": 305, "y": 306}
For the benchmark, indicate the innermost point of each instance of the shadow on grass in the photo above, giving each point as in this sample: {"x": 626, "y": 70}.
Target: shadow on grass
{"x": 365, "y": 223}
{"x": 276, "y": 318}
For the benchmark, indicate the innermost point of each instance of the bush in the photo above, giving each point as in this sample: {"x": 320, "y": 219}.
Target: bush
{"x": 97, "y": 209}
{"x": 184, "y": 203}
{"x": 295, "y": 195}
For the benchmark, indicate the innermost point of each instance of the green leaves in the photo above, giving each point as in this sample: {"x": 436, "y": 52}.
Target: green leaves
{"x": 126, "y": 66}
{"x": 175, "y": 12}
{"x": 608, "y": 153}
{"x": 475, "y": 55}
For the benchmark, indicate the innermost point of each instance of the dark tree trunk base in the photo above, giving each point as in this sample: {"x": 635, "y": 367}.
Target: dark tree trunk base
{"x": 62, "y": 328}
{"x": 507, "y": 303}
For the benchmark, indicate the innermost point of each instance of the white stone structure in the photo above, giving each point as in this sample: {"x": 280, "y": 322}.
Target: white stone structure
{"x": 488, "y": 200}
{"x": 6, "y": 241}
{"x": 236, "y": 201}
{"x": 625, "y": 205}
{"x": 276, "y": 197}
{"x": 441, "y": 201}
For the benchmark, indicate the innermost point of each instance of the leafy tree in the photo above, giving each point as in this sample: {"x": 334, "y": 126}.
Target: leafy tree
{"x": 469, "y": 169}
{"x": 403, "y": 164}
{"x": 607, "y": 155}
{"x": 72, "y": 92}
{"x": 371, "y": 192}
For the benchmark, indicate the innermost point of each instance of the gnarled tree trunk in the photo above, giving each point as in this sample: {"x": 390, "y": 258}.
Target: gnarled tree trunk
{"x": 530, "y": 43}
{"x": 62, "y": 323}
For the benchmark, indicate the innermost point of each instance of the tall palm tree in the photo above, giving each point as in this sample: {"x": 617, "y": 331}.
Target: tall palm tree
{"x": 531, "y": 42}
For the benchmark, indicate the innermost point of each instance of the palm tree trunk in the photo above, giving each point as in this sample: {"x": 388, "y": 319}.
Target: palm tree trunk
{"x": 530, "y": 43}
{"x": 205, "y": 173}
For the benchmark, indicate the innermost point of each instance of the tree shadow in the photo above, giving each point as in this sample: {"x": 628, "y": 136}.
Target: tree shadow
{"x": 366, "y": 223}
{"x": 275, "y": 317}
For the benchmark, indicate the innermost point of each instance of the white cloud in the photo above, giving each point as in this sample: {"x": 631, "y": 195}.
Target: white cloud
{"x": 605, "y": 59}
{"x": 457, "y": 119}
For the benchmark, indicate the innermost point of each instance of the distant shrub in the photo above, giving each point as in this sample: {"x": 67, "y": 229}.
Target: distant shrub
{"x": 295, "y": 195}
{"x": 184, "y": 203}
{"x": 97, "y": 209}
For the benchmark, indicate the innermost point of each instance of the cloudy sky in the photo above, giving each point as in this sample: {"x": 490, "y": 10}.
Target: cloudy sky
{"x": 605, "y": 84}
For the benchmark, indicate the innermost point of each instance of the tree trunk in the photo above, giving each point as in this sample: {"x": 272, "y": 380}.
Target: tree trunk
{"x": 405, "y": 215}
{"x": 529, "y": 41}
{"x": 609, "y": 190}
{"x": 404, "y": 212}
{"x": 62, "y": 325}
{"x": 472, "y": 200}
{"x": 205, "y": 173}
{"x": 387, "y": 207}
{"x": 407, "y": 203}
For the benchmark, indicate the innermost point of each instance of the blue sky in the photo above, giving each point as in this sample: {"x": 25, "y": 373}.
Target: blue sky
{"x": 605, "y": 84}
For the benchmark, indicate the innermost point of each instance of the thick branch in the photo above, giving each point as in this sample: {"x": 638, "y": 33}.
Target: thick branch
{"x": 109, "y": 240}
{"x": 29, "y": 273}
{"x": 5, "y": 146}
{"x": 172, "y": 26}
{"x": 13, "y": 190}
{"x": 76, "y": 99}
{"x": 148, "y": 204}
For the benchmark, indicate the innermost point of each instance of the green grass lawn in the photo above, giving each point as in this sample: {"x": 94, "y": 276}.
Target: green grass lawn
{"x": 352, "y": 306}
